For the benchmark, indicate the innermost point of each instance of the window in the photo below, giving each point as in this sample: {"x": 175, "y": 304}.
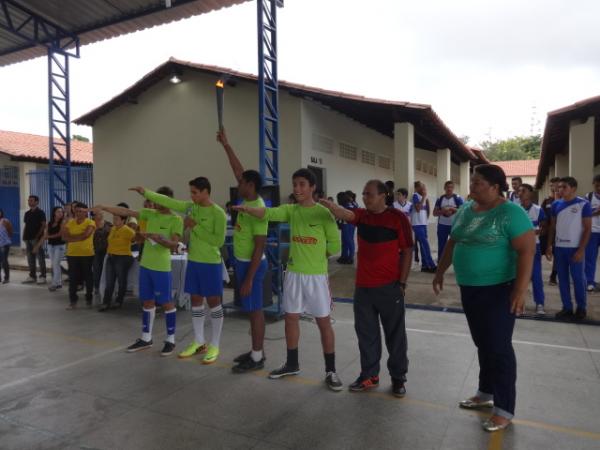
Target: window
{"x": 322, "y": 143}
{"x": 385, "y": 162}
{"x": 368, "y": 157}
{"x": 348, "y": 151}
{"x": 9, "y": 176}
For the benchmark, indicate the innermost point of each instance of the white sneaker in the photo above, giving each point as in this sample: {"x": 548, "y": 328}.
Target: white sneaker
{"x": 41, "y": 280}
{"x": 28, "y": 280}
{"x": 539, "y": 309}
{"x": 591, "y": 288}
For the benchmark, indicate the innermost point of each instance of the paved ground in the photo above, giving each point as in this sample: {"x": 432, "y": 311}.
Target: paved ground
{"x": 66, "y": 383}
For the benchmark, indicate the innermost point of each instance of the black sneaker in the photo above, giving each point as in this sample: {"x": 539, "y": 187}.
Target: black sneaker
{"x": 333, "y": 381}
{"x": 284, "y": 371}
{"x": 580, "y": 314}
{"x": 242, "y": 357}
{"x": 167, "y": 349}
{"x": 398, "y": 388}
{"x": 248, "y": 365}
{"x": 364, "y": 384}
{"x": 139, "y": 345}
{"x": 564, "y": 314}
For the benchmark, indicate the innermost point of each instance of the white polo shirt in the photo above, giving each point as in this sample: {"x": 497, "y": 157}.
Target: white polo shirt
{"x": 536, "y": 215}
{"x": 455, "y": 201}
{"x": 418, "y": 217}
{"x": 569, "y": 226}
{"x": 406, "y": 208}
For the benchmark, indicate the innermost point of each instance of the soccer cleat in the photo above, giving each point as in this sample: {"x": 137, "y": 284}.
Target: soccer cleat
{"x": 192, "y": 349}
{"x": 333, "y": 381}
{"x": 138, "y": 345}
{"x": 364, "y": 384}
{"x": 398, "y": 388}
{"x": 167, "y": 349}
{"x": 475, "y": 403}
{"x": 284, "y": 371}
{"x": 248, "y": 365}
{"x": 212, "y": 353}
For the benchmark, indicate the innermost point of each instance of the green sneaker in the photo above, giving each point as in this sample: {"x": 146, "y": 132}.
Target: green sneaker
{"x": 212, "y": 353}
{"x": 192, "y": 349}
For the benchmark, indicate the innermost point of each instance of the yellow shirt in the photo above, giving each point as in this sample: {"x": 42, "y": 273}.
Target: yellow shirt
{"x": 80, "y": 248}
{"x": 119, "y": 240}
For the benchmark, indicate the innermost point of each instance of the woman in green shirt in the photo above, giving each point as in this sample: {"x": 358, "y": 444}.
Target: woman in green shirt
{"x": 492, "y": 245}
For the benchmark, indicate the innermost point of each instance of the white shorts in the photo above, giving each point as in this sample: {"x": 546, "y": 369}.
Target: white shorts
{"x": 308, "y": 294}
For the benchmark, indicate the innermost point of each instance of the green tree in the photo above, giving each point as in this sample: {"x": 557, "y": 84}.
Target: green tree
{"x": 514, "y": 148}
{"x": 78, "y": 137}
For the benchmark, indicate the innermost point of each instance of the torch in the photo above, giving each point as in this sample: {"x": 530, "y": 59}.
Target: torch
{"x": 220, "y": 88}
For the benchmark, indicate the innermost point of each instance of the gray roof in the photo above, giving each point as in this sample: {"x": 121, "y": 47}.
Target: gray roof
{"x": 95, "y": 20}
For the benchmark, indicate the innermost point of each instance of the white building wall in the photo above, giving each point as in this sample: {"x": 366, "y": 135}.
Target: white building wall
{"x": 169, "y": 137}
{"x": 326, "y": 133}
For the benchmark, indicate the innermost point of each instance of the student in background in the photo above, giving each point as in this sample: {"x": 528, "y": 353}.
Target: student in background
{"x": 591, "y": 251}
{"x": 419, "y": 218}
{"x": 445, "y": 209}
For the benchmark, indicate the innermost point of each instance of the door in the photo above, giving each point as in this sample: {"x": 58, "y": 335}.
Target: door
{"x": 320, "y": 174}
{"x": 9, "y": 200}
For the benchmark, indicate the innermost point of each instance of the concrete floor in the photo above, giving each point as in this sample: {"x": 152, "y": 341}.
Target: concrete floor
{"x": 66, "y": 383}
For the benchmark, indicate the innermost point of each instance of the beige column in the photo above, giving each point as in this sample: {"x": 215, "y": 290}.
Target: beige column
{"x": 404, "y": 155}
{"x": 465, "y": 178}
{"x": 561, "y": 165}
{"x": 581, "y": 153}
{"x": 444, "y": 167}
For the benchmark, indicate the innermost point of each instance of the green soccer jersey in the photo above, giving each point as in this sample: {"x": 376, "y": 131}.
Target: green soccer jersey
{"x": 313, "y": 236}
{"x": 155, "y": 256}
{"x": 246, "y": 227}
{"x": 208, "y": 236}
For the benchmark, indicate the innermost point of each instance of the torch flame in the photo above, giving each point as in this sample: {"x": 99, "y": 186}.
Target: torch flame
{"x": 220, "y": 84}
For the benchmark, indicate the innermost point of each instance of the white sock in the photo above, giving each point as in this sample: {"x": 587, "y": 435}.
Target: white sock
{"x": 198, "y": 315}
{"x": 148, "y": 323}
{"x": 216, "y": 321}
{"x": 256, "y": 355}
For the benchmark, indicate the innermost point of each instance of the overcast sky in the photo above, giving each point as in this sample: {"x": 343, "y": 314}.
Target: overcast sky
{"x": 484, "y": 65}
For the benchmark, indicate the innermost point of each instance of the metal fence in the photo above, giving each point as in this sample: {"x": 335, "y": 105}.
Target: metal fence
{"x": 81, "y": 183}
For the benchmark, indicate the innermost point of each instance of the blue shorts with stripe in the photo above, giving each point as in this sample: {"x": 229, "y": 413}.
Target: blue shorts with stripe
{"x": 155, "y": 285}
{"x": 204, "y": 279}
{"x": 254, "y": 301}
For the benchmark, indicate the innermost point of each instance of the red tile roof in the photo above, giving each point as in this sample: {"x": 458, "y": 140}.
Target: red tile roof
{"x": 524, "y": 168}
{"x": 35, "y": 147}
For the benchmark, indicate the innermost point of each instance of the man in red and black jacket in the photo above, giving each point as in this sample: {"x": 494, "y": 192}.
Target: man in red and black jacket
{"x": 384, "y": 259}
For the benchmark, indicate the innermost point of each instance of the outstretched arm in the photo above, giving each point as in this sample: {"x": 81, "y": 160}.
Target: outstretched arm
{"x": 234, "y": 162}
{"x": 338, "y": 211}
{"x": 118, "y": 211}
{"x": 256, "y": 212}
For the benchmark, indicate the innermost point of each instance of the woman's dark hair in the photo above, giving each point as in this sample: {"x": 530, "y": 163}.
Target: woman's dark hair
{"x": 493, "y": 175}
{"x": 380, "y": 185}
{"x": 307, "y": 174}
{"x": 200, "y": 183}
{"x": 53, "y": 213}
{"x": 252, "y": 176}
{"x": 165, "y": 190}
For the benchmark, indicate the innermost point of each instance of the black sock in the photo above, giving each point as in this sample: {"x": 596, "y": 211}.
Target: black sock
{"x": 292, "y": 357}
{"x": 329, "y": 362}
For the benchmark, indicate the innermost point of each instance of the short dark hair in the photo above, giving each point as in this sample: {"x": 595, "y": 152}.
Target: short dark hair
{"x": 123, "y": 205}
{"x": 79, "y": 205}
{"x": 351, "y": 194}
{"x": 596, "y": 179}
{"x": 493, "y": 174}
{"x": 307, "y": 174}
{"x": 519, "y": 179}
{"x": 570, "y": 181}
{"x": 390, "y": 184}
{"x": 200, "y": 183}
{"x": 252, "y": 176}
{"x": 165, "y": 190}
{"x": 342, "y": 198}
{"x": 527, "y": 186}
{"x": 554, "y": 179}
{"x": 380, "y": 185}
{"x": 35, "y": 197}
{"x": 417, "y": 184}
{"x": 449, "y": 182}
{"x": 403, "y": 191}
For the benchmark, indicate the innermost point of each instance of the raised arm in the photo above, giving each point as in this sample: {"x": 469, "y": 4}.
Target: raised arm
{"x": 256, "y": 212}
{"x": 234, "y": 162}
{"x": 338, "y": 211}
{"x": 118, "y": 211}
